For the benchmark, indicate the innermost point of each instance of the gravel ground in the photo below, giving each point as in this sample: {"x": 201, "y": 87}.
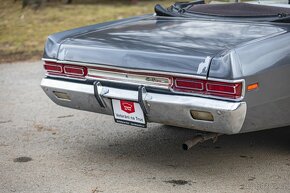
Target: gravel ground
{"x": 47, "y": 148}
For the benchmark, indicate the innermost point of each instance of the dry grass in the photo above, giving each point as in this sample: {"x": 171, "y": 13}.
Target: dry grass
{"x": 23, "y": 32}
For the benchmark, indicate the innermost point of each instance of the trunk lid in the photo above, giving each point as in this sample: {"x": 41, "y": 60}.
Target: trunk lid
{"x": 176, "y": 45}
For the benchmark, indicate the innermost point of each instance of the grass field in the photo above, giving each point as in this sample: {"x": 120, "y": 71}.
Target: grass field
{"x": 23, "y": 31}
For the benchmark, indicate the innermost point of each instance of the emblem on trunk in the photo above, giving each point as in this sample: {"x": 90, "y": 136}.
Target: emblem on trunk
{"x": 157, "y": 80}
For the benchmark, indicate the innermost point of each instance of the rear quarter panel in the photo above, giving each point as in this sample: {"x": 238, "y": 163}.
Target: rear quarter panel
{"x": 267, "y": 63}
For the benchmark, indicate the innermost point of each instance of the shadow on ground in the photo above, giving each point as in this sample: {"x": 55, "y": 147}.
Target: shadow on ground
{"x": 161, "y": 145}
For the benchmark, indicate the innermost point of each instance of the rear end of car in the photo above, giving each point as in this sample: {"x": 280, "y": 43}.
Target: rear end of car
{"x": 139, "y": 71}
{"x": 138, "y": 97}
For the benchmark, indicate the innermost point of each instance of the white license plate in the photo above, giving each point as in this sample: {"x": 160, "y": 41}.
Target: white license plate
{"x": 128, "y": 112}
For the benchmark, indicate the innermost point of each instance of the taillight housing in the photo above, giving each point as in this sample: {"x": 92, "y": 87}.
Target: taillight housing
{"x": 231, "y": 90}
{"x": 74, "y": 71}
{"x": 51, "y": 67}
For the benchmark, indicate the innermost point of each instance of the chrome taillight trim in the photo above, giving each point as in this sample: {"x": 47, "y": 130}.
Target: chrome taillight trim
{"x": 235, "y": 88}
{"x": 186, "y": 87}
{"x": 242, "y": 81}
{"x": 54, "y": 71}
{"x": 78, "y": 68}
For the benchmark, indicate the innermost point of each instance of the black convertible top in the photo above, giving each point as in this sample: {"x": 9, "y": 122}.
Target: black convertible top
{"x": 248, "y": 11}
{"x": 238, "y": 10}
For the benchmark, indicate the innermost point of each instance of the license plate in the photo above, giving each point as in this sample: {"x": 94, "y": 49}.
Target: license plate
{"x": 129, "y": 113}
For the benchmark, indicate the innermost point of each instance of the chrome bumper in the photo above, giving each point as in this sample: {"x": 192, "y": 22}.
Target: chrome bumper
{"x": 160, "y": 108}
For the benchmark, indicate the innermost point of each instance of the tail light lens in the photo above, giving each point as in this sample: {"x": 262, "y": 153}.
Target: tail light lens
{"x": 52, "y": 67}
{"x": 207, "y": 87}
{"x": 73, "y": 71}
{"x": 189, "y": 85}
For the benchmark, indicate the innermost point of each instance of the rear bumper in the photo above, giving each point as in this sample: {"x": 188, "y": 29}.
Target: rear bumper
{"x": 160, "y": 108}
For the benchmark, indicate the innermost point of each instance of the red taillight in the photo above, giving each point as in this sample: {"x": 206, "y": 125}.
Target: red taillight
{"x": 207, "y": 87}
{"x": 65, "y": 70}
{"x": 74, "y": 70}
{"x": 53, "y": 67}
{"x": 223, "y": 88}
{"x": 189, "y": 84}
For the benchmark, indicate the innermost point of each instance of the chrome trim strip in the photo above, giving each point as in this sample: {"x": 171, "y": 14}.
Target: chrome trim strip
{"x": 63, "y": 76}
{"x": 127, "y": 69}
{"x": 130, "y": 83}
{"x": 165, "y": 82}
{"x": 207, "y": 96}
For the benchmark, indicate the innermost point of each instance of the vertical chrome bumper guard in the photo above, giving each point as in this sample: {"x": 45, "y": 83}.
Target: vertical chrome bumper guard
{"x": 98, "y": 91}
{"x": 142, "y": 93}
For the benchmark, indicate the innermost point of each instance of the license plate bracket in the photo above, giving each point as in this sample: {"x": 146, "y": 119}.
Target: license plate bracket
{"x": 128, "y": 113}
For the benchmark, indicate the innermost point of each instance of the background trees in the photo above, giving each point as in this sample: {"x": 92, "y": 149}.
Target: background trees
{"x": 39, "y": 3}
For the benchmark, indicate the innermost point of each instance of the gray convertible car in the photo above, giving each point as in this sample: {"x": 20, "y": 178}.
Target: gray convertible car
{"x": 222, "y": 68}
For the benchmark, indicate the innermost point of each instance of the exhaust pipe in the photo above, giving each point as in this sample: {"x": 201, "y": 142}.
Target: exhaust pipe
{"x": 200, "y": 139}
